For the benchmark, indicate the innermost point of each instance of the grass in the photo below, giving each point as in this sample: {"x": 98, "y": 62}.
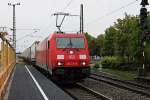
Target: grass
{"x": 125, "y": 75}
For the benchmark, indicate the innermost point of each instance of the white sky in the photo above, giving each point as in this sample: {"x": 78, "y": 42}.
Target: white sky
{"x": 36, "y": 14}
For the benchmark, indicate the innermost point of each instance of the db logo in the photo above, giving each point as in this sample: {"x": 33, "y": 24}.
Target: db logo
{"x": 71, "y": 56}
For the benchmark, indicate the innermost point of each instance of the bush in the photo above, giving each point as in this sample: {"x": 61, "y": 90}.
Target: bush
{"x": 111, "y": 62}
{"x": 96, "y": 65}
{"x": 118, "y": 63}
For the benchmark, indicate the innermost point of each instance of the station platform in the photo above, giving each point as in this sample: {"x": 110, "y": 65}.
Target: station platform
{"x": 27, "y": 83}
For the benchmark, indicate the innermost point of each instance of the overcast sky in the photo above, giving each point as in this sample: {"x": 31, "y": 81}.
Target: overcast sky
{"x": 37, "y": 14}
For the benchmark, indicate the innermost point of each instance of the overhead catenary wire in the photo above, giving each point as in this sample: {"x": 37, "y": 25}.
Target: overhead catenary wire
{"x": 68, "y": 4}
{"x": 30, "y": 34}
{"x": 110, "y": 13}
{"x": 29, "y": 29}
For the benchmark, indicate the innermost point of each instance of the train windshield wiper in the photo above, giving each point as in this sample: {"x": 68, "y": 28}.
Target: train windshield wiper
{"x": 69, "y": 45}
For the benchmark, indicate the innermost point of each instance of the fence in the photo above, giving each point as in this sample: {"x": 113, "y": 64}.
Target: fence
{"x": 7, "y": 62}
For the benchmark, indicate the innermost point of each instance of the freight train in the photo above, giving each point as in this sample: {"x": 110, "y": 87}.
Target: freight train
{"x": 63, "y": 56}
{"x": 29, "y": 53}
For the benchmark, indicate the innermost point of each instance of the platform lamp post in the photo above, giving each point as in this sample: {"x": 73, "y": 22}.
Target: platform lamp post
{"x": 143, "y": 35}
{"x": 14, "y": 23}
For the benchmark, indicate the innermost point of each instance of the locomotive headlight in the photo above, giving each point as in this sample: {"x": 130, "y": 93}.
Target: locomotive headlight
{"x": 71, "y": 52}
{"x": 60, "y": 56}
{"x": 83, "y": 63}
{"x": 60, "y": 63}
{"x": 82, "y": 56}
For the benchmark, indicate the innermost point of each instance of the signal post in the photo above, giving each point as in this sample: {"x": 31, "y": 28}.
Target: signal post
{"x": 142, "y": 37}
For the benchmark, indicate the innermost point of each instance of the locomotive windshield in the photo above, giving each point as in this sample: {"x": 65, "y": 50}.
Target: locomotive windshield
{"x": 70, "y": 42}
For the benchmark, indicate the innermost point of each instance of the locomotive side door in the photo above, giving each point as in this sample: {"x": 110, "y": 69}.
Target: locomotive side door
{"x": 47, "y": 56}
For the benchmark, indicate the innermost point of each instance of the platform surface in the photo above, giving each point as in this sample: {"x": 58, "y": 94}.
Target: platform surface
{"x": 29, "y": 84}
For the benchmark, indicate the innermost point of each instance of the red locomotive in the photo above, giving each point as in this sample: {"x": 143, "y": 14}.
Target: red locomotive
{"x": 64, "y": 56}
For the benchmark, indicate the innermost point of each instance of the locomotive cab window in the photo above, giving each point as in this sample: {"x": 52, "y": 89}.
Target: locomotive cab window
{"x": 70, "y": 42}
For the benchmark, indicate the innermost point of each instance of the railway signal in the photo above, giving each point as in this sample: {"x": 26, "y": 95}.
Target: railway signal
{"x": 143, "y": 18}
{"x": 144, "y": 2}
{"x": 143, "y": 35}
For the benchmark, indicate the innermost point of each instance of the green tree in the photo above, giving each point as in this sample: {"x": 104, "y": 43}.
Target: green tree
{"x": 100, "y": 44}
{"x": 121, "y": 39}
{"x": 90, "y": 40}
{"x": 109, "y": 42}
{"x": 127, "y": 36}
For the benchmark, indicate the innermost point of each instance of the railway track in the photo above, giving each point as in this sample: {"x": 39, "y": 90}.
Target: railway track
{"x": 134, "y": 87}
{"x": 80, "y": 92}
{"x": 123, "y": 81}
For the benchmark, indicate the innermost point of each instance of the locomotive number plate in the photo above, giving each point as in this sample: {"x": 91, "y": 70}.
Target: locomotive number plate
{"x": 71, "y": 56}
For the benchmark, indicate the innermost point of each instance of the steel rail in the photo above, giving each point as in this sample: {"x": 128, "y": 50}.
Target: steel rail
{"x": 119, "y": 85}
{"x": 97, "y": 94}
